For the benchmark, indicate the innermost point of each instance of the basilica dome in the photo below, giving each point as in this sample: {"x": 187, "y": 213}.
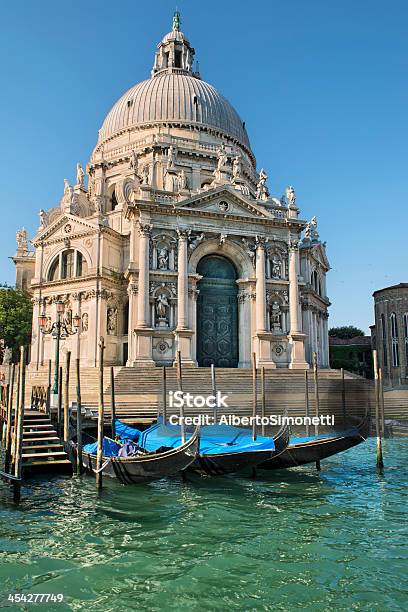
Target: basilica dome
{"x": 175, "y": 96}
{"x": 178, "y": 99}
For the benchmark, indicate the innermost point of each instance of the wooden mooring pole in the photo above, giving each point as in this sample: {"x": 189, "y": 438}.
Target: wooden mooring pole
{"x": 254, "y": 396}
{"x": 66, "y": 398}
{"x": 307, "y": 402}
{"x": 180, "y": 388}
{"x": 263, "y": 397}
{"x": 7, "y": 444}
{"x": 112, "y": 401}
{"x": 79, "y": 418}
{"x": 48, "y": 401}
{"x": 99, "y": 454}
{"x": 164, "y": 395}
{"x": 343, "y": 396}
{"x": 381, "y": 395}
{"x": 317, "y": 403}
{"x": 379, "y": 453}
{"x": 18, "y": 429}
{"x": 214, "y": 392}
{"x": 59, "y": 402}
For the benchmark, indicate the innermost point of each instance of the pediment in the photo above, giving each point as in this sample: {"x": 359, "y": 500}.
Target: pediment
{"x": 226, "y": 201}
{"x": 66, "y": 226}
{"x": 318, "y": 251}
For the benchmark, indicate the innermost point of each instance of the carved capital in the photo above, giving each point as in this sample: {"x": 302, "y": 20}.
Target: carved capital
{"x": 145, "y": 229}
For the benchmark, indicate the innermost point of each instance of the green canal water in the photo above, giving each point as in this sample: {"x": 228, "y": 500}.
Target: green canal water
{"x": 294, "y": 540}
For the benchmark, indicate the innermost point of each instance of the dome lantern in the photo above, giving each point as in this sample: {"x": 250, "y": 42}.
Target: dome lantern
{"x": 175, "y": 54}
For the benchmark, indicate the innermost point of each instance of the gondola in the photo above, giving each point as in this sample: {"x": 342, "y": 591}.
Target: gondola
{"x": 301, "y": 451}
{"x": 146, "y": 467}
{"x": 223, "y": 449}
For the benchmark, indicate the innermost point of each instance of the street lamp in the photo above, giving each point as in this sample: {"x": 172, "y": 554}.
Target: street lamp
{"x": 59, "y": 330}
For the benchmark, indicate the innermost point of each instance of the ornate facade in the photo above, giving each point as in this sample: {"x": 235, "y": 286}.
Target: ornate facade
{"x": 176, "y": 242}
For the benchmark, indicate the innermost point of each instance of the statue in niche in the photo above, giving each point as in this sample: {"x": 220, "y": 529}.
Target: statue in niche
{"x": 276, "y": 317}
{"x": 7, "y": 355}
{"x": 171, "y": 158}
{"x": 276, "y": 267}
{"x": 80, "y": 175}
{"x": 262, "y": 192}
{"x": 22, "y": 240}
{"x": 112, "y": 321}
{"x": 67, "y": 320}
{"x": 182, "y": 181}
{"x": 145, "y": 175}
{"x": 236, "y": 167}
{"x": 162, "y": 305}
{"x": 291, "y": 196}
{"x": 84, "y": 322}
{"x": 163, "y": 259}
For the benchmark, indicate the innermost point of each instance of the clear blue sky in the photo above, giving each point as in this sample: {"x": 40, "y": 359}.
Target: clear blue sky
{"x": 321, "y": 85}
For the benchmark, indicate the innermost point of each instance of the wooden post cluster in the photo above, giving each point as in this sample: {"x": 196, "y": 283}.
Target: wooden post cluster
{"x": 18, "y": 428}
{"x": 59, "y": 404}
{"x": 10, "y": 415}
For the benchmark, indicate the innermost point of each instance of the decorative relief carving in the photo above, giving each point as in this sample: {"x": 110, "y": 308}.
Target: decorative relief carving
{"x": 145, "y": 229}
{"x": 112, "y": 321}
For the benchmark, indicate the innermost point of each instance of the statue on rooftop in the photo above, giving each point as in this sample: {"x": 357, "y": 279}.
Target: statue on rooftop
{"x": 262, "y": 192}
{"x": 80, "y": 175}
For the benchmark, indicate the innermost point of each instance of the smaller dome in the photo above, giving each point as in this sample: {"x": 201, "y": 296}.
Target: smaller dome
{"x": 174, "y": 36}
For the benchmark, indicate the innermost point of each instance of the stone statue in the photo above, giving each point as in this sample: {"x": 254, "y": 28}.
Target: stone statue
{"x": 171, "y": 158}
{"x": 43, "y": 216}
{"x": 84, "y": 321}
{"x": 162, "y": 305}
{"x": 222, "y": 157}
{"x": 262, "y": 192}
{"x": 250, "y": 248}
{"x": 223, "y": 238}
{"x": 145, "y": 175}
{"x": 112, "y": 321}
{"x": 236, "y": 167}
{"x": 7, "y": 355}
{"x": 276, "y": 315}
{"x": 67, "y": 188}
{"x": 276, "y": 267}
{"x": 67, "y": 319}
{"x": 80, "y": 175}
{"x": 134, "y": 163}
{"x": 182, "y": 180}
{"x": 163, "y": 259}
{"x": 195, "y": 241}
{"x": 22, "y": 240}
{"x": 291, "y": 196}
{"x": 176, "y": 21}
{"x": 311, "y": 232}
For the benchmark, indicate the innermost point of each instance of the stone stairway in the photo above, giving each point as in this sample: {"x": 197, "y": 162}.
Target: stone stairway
{"x": 42, "y": 449}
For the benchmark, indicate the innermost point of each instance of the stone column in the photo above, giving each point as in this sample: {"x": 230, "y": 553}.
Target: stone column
{"x": 143, "y": 284}
{"x": 260, "y": 286}
{"x": 294, "y": 289}
{"x": 297, "y": 338}
{"x": 183, "y": 333}
{"x": 182, "y": 281}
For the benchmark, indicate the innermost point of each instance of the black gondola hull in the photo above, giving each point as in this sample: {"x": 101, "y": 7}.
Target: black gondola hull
{"x": 316, "y": 450}
{"x": 145, "y": 468}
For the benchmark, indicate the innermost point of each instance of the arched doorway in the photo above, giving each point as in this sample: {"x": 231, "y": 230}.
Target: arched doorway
{"x": 217, "y": 313}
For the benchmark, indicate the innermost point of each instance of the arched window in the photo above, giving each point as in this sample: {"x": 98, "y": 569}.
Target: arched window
{"x": 114, "y": 201}
{"x": 68, "y": 264}
{"x": 405, "y": 320}
{"x": 394, "y": 340}
{"x": 384, "y": 340}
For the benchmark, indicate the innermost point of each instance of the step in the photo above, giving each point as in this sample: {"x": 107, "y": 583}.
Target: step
{"x": 39, "y": 433}
{"x": 39, "y": 439}
{"x": 41, "y": 426}
{"x": 37, "y": 421}
{"x": 57, "y": 462}
{"x": 52, "y": 454}
{"x": 52, "y": 446}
